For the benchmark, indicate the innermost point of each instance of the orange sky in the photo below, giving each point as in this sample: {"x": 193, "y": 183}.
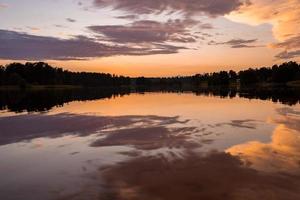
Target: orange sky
{"x": 165, "y": 39}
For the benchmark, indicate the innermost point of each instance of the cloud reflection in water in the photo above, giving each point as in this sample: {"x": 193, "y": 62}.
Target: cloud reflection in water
{"x": 282, "y": 154}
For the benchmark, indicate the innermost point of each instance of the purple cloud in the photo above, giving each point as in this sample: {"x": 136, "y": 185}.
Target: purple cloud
{"x": 291, "y": 48}
{"x": 188, "y": 7}
{"x": 237, "y": 43}
{"x": 288, "y": 54}
{"x": 22, "y": 46}
{"x": 128, "y": 17}
{"x": 71, "y": 20}
{"x": 147, "y": 31}
{"x": 290, "y": 43}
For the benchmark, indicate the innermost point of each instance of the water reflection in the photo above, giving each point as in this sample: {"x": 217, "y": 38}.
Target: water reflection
{"x": 39, "y": 100}
{"x": 44, "y": 100}
{"x": 151, "y": 146}
{"x": 254, "y": 170}
{"x": 140, "y": 131}
{"x": 215, "y": 175}
{"x": 282, "y": 154}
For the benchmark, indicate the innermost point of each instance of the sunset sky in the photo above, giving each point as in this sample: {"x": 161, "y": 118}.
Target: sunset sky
{"x": 150, "y": 37}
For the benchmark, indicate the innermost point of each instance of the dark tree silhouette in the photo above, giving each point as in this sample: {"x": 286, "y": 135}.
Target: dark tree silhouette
{"x": 41, "y": 73}
{"x": 281, "y": 74}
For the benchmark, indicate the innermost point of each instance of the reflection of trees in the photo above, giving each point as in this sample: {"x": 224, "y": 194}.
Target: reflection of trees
{"x": 44, "y": 100}
{"x": 289, "y": 96}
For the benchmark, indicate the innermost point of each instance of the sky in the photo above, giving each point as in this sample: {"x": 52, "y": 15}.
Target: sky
{"x": 150, "y": 38}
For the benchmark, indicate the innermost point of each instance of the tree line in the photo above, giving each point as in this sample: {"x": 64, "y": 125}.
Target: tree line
{"x": 277, "y": 74}
{"x": 41, "y": 73}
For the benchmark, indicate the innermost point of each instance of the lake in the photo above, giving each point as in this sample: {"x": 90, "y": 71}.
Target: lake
{"x": 150, "y": 144}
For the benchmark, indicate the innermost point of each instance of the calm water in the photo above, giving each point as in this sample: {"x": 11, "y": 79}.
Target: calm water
{"x": 78, "y": 145}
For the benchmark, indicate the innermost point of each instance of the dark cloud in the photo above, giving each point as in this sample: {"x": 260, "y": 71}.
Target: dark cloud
{"x": 22, "y": 46}
{"x": 288, "y": 54}
{"x": 237, "y": 43}
{"x": 129, "y": 17}
{"x": 204, "y": 34}
{"x": 59, "y": 26}
{"x": 206, "y": 26}
{"x": 291, "y": 43}
{"x": 244, "y": 46}
{"x": 71, "y": 20}
{"x": 148, "y": 31}
{"x": 188, "y": 7}
{"x": 291, "y": 48}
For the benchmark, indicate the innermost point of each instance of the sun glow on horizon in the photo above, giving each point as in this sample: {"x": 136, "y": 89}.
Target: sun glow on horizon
{"x": 165, "y": 39}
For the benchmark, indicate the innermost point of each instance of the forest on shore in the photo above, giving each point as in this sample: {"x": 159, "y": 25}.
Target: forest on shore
{"x": 41, "y": 73}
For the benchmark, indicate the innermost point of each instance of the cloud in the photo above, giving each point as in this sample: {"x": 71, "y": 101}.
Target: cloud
{"x": 147, "y": 31}
{"x": 285, "y": 55}
{"x": 237, "y": 43}
{"x": 291, "y": 48}
{"x": 71, "y": 20}
{"x": 282, "y": 14}
{"x": 187, "y": 7}
{"x": 290, "y": 43}
{"x": 180, "y": 30}
{"x": 22, "y": 46}
{"x": 3, "y": 5}
{"x": 128, "y": 17}
{"x": 206, "y": 26}
{"x": 243, "y": 46}
{"x": 60, "y": 26}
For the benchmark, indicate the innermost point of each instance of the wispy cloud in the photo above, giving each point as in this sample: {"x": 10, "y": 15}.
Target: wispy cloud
{"x": 237, "y": 43}
{"x": 147, "y": 31}
{"x": 71, "y": 20}
{"x": 60, "y": 26}
{"x": 188, "y": 7}
{"x": 290, "y": 43}
{"x": 285, "y": 55}
{"x": 291, "y": 48}
{"x": 128, "y": 17}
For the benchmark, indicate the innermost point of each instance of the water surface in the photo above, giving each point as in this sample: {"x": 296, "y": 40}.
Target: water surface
{"x": 150, "y": 145}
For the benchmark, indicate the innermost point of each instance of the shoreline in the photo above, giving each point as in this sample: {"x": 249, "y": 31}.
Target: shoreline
{"x": 291, "y": 84}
